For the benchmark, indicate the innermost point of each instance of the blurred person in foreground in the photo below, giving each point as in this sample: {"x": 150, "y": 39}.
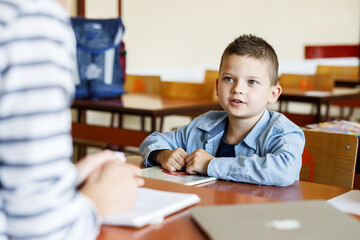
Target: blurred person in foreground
{"x": 43, "y": 194}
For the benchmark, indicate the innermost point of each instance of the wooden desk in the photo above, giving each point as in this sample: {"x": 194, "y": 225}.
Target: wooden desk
{"x": 145, "y": 105}
{"x": 347, "y": 82}
{"x": 181, "y": 226}
{"x": 338, "y": 94}
{"x": 300, "y": 190}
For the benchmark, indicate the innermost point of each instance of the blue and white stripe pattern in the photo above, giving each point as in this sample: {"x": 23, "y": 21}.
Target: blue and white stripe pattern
{"x": 38, "y": 199}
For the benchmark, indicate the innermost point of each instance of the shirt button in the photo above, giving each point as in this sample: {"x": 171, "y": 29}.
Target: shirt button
{"x": 208, "y": 135}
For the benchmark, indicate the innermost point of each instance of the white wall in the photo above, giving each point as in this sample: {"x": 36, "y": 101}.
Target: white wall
{"x": 186, "y": 33}
{"x": 178, "y": 39}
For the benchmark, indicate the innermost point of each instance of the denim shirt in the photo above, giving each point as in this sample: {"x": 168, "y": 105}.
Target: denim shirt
{"x": 270, "y": 154}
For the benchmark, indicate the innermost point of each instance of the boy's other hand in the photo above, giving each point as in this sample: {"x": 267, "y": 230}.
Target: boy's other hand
{"x": 198, "y": 161}
{"x": 172, "y": 160}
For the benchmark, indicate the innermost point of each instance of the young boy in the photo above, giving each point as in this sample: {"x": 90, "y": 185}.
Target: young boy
{"x": 244, "y": 143}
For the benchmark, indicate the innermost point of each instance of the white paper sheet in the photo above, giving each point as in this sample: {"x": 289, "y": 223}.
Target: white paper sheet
{"x": 348, "y": 202}
{"x": 151, "y": 207}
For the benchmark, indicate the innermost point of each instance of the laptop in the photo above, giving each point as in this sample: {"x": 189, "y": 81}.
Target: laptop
{"x": 281, "y": 221}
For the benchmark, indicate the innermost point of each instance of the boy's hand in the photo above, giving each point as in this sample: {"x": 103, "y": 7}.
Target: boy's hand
{"x": 172, "y": 160}
{"x": 198, "y": 161}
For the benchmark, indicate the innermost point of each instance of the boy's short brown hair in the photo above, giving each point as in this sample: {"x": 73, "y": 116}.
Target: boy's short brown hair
{"x": 255, "y": 47}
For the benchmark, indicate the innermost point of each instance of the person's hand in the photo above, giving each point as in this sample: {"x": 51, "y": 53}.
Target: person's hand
{"x": 172, "y": 160}
{"x": 198, "y": 161}
{"x": 93, "y": 162}
{"x": 113, "y": 188}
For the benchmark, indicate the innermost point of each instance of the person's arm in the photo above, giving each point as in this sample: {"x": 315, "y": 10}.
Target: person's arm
{"x": 279, "y": 166}
{"x": 154, "y": 145}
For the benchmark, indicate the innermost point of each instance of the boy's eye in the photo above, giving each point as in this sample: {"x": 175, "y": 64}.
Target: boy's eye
{"x": 228, "y": 79}
{"x": 252, "y": 82}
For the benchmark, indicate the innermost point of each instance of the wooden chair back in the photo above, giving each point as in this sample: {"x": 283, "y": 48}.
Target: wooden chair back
{"x": 210, "y": 83}
{"x": 142, "y": 84}
{"x": 204, "y": 90}
{"x": 329, "y": 158}
{"x": 149, "y": 84}
{"x": 348, "y": 72}
{"x": 302, "y": 82}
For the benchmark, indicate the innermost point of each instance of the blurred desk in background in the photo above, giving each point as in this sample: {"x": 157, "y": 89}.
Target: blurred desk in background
{"x": 319, "y": 98}
{"x": 347, "y": 82}
{"x": 145, "y": 105}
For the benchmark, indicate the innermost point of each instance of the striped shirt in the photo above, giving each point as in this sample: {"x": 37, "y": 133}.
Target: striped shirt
{"x": 38, "y": 196}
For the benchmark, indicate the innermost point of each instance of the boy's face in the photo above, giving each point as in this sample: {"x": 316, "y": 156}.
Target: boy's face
{"x": 244, "y": 87}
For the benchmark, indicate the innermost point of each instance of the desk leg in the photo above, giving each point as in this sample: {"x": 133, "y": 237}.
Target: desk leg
{"x": 153, "y": 123}
{"x": 161, "y": 123}
{"x": 327, "y": 114}
{"x": 142, "y": 123}
{"x": 81, "y": 149}
{"x": 120, "y": 121}
{"x": 112, "y": 119}
{"x": 318, "y": 113}
{"x": 81, "y": 116}
{"x": 280, "y": 105}
{"x": 78, "y": 115}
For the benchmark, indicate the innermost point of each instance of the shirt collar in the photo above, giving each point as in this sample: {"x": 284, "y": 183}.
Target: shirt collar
{"x": 216, "y": 125}
{"x": 252, "y": 137}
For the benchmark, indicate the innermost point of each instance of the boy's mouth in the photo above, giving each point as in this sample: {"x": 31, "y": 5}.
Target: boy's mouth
{"x": 237, "y": 101}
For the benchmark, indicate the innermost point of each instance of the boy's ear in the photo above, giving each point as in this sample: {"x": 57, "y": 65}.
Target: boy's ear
{"x": 216, "y": 86}
{"x": 274, "y": 93}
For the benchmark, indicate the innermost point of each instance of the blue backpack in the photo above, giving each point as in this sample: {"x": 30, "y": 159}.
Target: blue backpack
{"x": 98, "y": 73}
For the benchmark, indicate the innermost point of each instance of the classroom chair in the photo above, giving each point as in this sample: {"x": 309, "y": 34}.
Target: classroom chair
{"x": 329, "y": 158}
{"x": 149, "y": 84}
{"x": 188, "y": 90}
{"x": 85, "y": 135}
{"x": 348, "y": 73}
{"x": 142, "y": 84}
{"x": 351, "y": 72}
{"x": 204, "y": 90}
{"x": 306, "y": 82}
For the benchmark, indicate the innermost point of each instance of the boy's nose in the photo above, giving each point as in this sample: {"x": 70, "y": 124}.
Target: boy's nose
{"x": 239, "y": 87}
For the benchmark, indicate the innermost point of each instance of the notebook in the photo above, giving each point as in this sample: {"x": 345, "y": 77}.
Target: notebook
{"x": 151, "y": 207}
{"x": 281, "y": 221}
{"x": 177, "y": 177}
